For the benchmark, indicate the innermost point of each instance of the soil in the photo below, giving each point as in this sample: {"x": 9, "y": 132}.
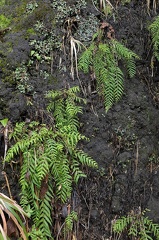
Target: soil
{"x": 124, "y": 141}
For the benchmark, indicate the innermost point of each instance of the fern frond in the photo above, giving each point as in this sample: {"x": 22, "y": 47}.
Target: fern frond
{"x": 85, "y": 159}
{"x": 104, "y": 50}
{"x": 42, "y": 168}
{"x": 18, "y": 130}
{"x": 76, "y": 171}
{"x": 121, "y": 224}
{"x": 118, "y": 84}
{"x": 151, "y": 227}
{"x": 61, "y": 173}
{"x": 131, "y": 67}
{"x": 45, "y": 216}
{"x": 85, "y": 61}
{"x": 69, "y": 221}
{"x": 102, "y": 59}
{"x": 72, "y": 135}
{"x": 23, "y": 144}
{"x": 123, "y": 52}
{"x": 137, "y": 226}
{"x": 154, "y": 30}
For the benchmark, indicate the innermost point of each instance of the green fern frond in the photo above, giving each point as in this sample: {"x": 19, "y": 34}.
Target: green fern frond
{"x": 131, "y": 67}
{"x": 118, "y": 84}
{"x": 154, "y": 30}
{"x": 128, "y": 56}
{"x": 45, "y": 217}
{"x": 137, "y": 226}
{"x": 123, "y": 52}
{"x": 109, "y": 94}
{"x": 121, "y": 224}
{"x": 23, "y": 144}
{"x": 102, "y": 59}
{"x": 69, "y": 221}
{"x": 72, "y": 135}
{"x": 105, "y": 50}
{"x": 61, "y": 172}
{"x": 85, "y": 159}
{"x": 42, "y": 168}
{"x": 18, "y": 130}
{"x": 85, "y": 61}
{"x": 77, "y": 172}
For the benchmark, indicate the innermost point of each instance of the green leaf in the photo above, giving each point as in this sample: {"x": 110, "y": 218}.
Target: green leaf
{"x": 4, "y": 122}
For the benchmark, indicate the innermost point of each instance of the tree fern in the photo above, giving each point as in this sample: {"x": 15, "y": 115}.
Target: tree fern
{"x": 51, "y": 160}
{"x": 102, "y": 57}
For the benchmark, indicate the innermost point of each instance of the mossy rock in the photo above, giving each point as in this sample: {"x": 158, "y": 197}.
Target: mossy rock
{"x": 25, "y": 21}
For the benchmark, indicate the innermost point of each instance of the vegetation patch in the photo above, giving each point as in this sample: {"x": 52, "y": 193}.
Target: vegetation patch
{"x": 4, "y": 22}
{"x": 2, "y": 2}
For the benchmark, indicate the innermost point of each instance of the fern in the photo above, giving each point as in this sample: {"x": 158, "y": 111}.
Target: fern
{"x": 51, "y": 159}
{"x": 103, "y": 59}
{"x": 45, "y": 214}
{"x": 69, "y": 222}
{"x": 85, "y": 159}
{"x": 154, "y": 31}
{"x": 127, "y": 55}
{"x": 136, "y": 225}
{"x": 86, "y": 59}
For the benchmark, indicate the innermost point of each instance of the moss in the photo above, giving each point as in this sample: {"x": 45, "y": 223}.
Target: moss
{"x": 30, "y": 32}
{"x": 7, "y": 72}
{"x": 4, "y": 22}
{"x": 2, "y": 2}
{"x": 23, "y": 21}
{"x": 21, "y": 9}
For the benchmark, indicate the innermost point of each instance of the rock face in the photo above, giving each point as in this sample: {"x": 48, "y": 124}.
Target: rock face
{"x": 123, "y": 141}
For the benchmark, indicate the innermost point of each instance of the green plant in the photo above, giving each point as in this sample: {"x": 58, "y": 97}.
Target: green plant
{"x": 4, "y": 122}
{"x": 42, "y": 49}
{"x": 87, "y": 26}
{"x": 2, "y": 2}
{"x": 154, "y": 31}
{"x": 136, "y": 225}
{"x": 4, "y": 22}
{"x": 102, "y": 58}
{"x": 68, "y": 226}
{"x": 63, "y": 10}
{"x": 21, "y": 77}
{"x": 51, "y": 160}
{"x": 11, "y": 212}
{"x": 31, "y": 6}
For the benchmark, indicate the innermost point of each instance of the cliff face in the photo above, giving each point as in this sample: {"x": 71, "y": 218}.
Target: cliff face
{"x": 35, "y": 56}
